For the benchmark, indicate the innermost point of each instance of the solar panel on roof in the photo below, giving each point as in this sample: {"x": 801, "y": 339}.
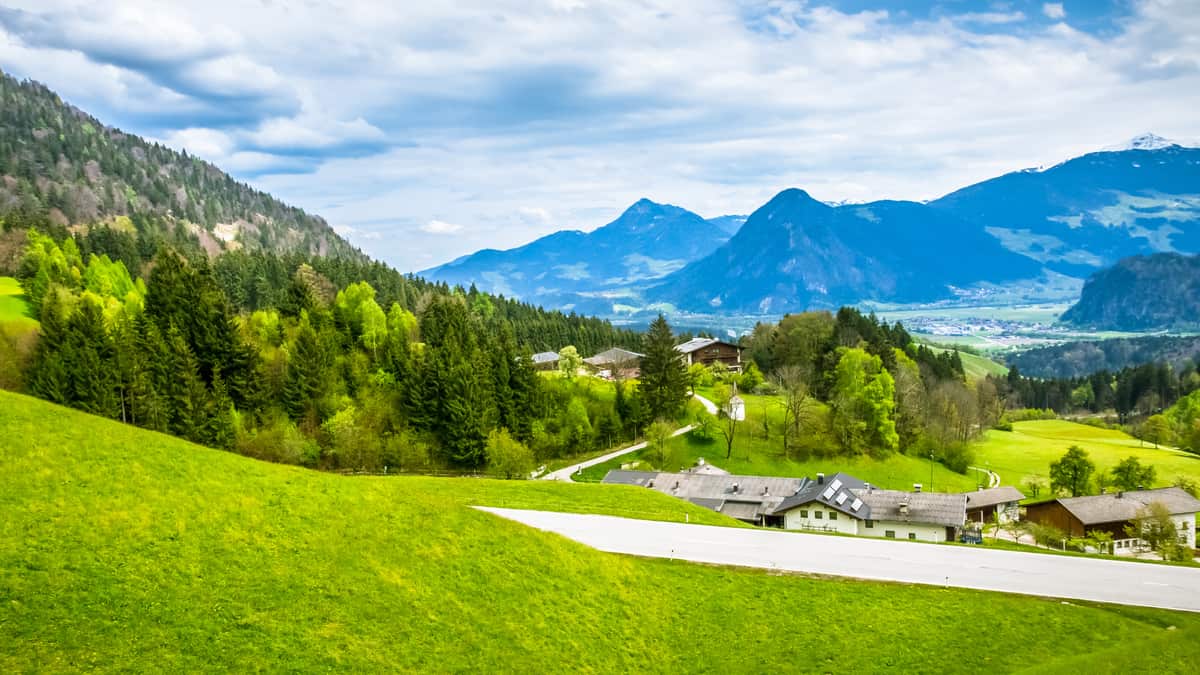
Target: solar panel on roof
{"x": 828, "y": 493}
{"x": 856, "y": 504}
{"x": 836, "y": 485}
{"x": 841, "y": 499}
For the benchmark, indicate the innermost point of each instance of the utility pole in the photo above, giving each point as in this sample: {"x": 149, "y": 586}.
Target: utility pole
{"x": 931, "y": 472}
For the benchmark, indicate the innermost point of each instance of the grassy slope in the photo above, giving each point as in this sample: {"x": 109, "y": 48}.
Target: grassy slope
{"x": 14, "y": 311}
{"x": 124, "y": 549}
{"x": 1029, "y": 448}
{"x": 753, "y": 455}
{"x": 978, "y": 367}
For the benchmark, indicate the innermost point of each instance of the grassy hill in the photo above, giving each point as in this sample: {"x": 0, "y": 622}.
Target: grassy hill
{"x": 977, "y": 367}
{"x": 1029, "y": 448}
{"x": 123, "y": 549}
{"x": 14, "y": 312}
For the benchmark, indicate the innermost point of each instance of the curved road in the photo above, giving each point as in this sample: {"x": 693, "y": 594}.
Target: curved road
{"x": 1115, "y": 581}
{"x": 566, "y": 472}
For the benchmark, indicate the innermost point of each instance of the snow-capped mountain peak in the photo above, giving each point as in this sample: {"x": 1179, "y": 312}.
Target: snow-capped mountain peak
{"x": 1145, "y": 141}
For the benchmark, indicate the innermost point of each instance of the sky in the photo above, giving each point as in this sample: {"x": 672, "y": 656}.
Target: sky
{"x": 424, "y": 132}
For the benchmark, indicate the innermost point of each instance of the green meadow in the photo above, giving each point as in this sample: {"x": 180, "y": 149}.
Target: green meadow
{"x": 122, "y": 549}
{"x": 14, "y": 311}
{"x": 1027, "y": 451}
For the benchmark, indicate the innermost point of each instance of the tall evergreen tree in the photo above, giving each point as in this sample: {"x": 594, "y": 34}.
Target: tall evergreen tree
{"x": 663, "y": 384}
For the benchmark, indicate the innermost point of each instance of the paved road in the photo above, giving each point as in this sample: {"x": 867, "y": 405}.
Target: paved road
{"x": 993, "y": 477}
{"x": 1126, "y": 583}
{"x": 566, "y": 472}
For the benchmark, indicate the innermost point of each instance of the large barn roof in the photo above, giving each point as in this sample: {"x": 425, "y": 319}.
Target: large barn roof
{"x": 1121, "y": 506}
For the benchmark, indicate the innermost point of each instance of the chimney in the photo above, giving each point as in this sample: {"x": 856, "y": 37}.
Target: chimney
{"x": 765, "y": 491}
{"x": 916, "y": 487}
{"x": 867, "y": 486}
{"x": 904, "y": 509}
{"x": 735, "y": 488}
{"x": 820, "y": 479}
{"x": 1120, "y": 493}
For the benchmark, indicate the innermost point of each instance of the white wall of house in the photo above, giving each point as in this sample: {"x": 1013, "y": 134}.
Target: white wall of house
{"x": 902, "y": 530}
{"x": 1185, "y": 524}
{"x": 817, "y": 516}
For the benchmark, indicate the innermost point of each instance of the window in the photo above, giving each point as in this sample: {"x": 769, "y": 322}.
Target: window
{"x": 803, "y": 513}
{"x": 818, "y": 514}
{"x": 833, "y": 515}
{"x": 890, "y": 534}
{"x": 870, "y": 523}
{"x": 912, "y": 536}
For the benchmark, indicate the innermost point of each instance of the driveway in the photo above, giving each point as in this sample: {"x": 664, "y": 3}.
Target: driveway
{"x": 1126, "y": 583}
{"x": 565, "y": 473}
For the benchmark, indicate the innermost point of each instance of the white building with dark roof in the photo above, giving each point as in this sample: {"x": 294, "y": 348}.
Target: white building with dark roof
{"x": 840, "y": 503}
{"x": 707, "y": 351}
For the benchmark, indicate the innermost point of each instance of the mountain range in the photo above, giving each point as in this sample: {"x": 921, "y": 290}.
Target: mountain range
{"x": 647, "y": 241}
{"x": 1034, "y": 234}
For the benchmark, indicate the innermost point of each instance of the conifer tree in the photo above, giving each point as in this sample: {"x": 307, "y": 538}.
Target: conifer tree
{"x": 663, "y": 383}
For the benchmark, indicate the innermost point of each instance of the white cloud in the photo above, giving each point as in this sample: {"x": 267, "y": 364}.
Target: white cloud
{"x": 1054, "y": 10}
{"x": 441, "y": 227}
{"x": 522, "y": 117}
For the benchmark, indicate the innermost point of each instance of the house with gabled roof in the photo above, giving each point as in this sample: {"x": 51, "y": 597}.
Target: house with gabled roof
{"x": 615, "y": 362}
{"x": 841, "y": 503}
{"x": 707, "y": 351}
{"x": 848, "y": 505}
{"x": 985, "y": 505}
{"x": 1113, "y": 511}
{"x": 545, "y": 361}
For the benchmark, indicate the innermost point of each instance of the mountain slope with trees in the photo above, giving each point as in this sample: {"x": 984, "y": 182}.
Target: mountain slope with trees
{"x": 61, "y": 166}
{"x": 1159, "y": 291}
{"x": 1078, "y": 359}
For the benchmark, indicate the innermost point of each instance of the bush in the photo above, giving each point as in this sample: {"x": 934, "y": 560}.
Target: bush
{"x": 767, "y": 389}
{"x": 279, "y": 441}
{"x": 1028, "y": 414}
{"x": 958, "y": 457}
{"x": 1003, "y": 426}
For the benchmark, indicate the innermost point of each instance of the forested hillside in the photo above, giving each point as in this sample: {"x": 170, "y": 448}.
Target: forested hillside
{"x": 330, "y": 362}
{"x": 1141, "y": 293}
{"x": 59, "y": 165}
{"x": 1077, "y": 359}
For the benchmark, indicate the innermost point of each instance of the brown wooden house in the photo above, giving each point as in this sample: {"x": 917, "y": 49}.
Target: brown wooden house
{"x": 1113, "y": 511}
{"x": 707, "y": 351}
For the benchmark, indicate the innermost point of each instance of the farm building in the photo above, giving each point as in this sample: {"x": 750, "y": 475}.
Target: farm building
{"x": 1112, "y": 512}
{"x": 707, "y": 351}
{"x": 841, "y": 504}
{"x": 545, "y": 361}
{"x": 615, "y": 362}
{"x": 984, "y": 505}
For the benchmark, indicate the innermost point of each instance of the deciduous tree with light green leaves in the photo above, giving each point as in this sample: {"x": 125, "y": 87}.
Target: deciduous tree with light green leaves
{"x": 1072, "y": 472}
{"x": 507, "y": 457}
{"x": 863, "y": 404}
{"x": 1130, "y": 474}
{"x": 569, "y": 361}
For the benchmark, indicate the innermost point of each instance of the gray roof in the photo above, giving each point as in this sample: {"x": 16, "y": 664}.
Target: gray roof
{"x": 935, "y": 508}
{"x": 545, "y": 357}
{"x": 1117, "y": 506}
{"x": 756, "y": 496}
{"x": 726, "y": 493}
{"x": 700, "y": 343}
{"x": 829, "y": 493}
{"x": 993, "y": 496}
{"x": 613, "y": 357}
